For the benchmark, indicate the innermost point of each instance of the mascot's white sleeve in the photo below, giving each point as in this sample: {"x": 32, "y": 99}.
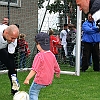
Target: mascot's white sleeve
{"x": 96, "y": 15}
{"x": 12, "y": 46}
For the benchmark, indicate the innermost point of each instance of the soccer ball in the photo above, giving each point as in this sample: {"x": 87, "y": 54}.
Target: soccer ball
{"x": 21, "y": 95}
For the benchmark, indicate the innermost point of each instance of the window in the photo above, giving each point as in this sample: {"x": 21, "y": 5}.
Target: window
{"x": 16, "y": 3}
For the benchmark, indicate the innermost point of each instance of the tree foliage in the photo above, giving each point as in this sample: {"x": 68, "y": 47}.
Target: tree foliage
{"x": 40, "y": 3}
{"x": 65, "y": 7}
{"x": 57, "y": 6}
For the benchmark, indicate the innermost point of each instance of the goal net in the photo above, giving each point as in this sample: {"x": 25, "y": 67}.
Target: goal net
{"x": 32, "y": 20}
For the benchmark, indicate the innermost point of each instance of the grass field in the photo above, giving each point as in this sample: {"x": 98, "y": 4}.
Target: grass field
{"x": 67, "y": 87}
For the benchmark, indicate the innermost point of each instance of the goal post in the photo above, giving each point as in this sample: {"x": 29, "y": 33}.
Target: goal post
{"x": 78, "y": 40}
{"x": 78, "y": 46}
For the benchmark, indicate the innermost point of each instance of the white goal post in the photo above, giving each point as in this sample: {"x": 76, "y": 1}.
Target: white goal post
{"x": 78, "y": 45}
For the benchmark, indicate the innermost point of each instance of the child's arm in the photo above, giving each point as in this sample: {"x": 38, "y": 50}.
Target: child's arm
{"x": 30, "y": 75}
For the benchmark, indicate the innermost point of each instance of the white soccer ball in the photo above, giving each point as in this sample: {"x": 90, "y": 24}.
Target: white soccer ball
{"x": 21, "y": 95}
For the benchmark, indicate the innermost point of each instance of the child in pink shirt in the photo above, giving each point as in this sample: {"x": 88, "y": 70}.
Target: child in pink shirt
{"x": 44, "y": 66}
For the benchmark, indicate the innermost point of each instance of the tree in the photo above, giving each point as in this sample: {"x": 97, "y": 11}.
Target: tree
{"x": 55, "y": 7}
{"x": 40, "y": 3}
{"x": 65, "y": 8}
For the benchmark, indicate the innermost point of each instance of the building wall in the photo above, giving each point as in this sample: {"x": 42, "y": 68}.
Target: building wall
{"x": 26, "y": 16}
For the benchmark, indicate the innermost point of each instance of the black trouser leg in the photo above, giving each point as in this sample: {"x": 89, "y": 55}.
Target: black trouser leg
{"x": 95, "y": 56}
{"x": 63, "y": 54}
{"x": 86, "y": 56}
{"x": 8, "y": 60}
{"x": 12, "y": 69}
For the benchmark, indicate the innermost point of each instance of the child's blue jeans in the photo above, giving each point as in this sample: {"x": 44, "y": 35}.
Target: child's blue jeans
{"x": 34, "y": 91}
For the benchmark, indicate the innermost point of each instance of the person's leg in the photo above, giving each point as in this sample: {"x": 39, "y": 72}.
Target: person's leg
{"x": 34, "y": 91}
{"x": 72, "y": 54}
{"x": 68, "y": 49}
{"x": 66, "y": 53}
{"x": 8, "y": 60}
{"x": 85, "y": 56}
{"x": 13, "y": 74}
{"x": 65, "y": 49}
{"x": 95, "y": 56}
{"x": 90, "y": 61}
{"x": 63, "y": 54}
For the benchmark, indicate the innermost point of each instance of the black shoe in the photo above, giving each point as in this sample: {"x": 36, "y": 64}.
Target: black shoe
{"x": 13, "y": 91}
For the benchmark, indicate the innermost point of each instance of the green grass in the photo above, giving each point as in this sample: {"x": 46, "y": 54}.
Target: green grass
{"x": 67, "y": 87}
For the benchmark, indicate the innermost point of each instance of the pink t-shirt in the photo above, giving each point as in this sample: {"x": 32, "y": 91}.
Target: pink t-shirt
{"x": 45, "y": 65}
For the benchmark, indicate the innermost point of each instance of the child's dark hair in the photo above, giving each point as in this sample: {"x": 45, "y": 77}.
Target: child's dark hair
{"x": 36, "y": 41}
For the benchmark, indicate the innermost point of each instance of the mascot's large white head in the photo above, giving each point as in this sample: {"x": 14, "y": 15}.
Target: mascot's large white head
{"x": 21, "y": 95}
